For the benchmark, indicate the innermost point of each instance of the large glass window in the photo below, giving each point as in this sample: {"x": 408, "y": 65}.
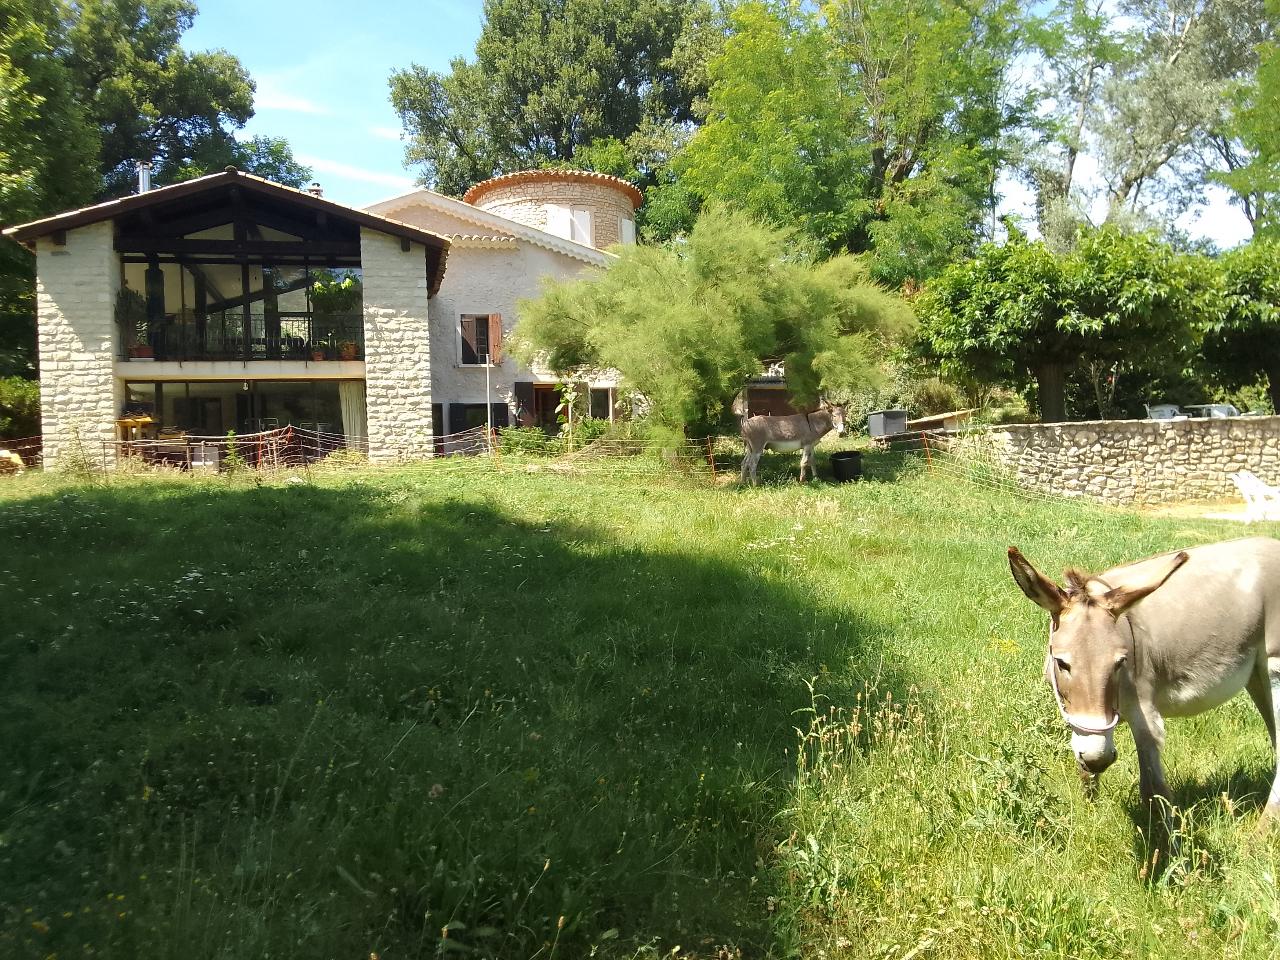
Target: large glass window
{"x": 211, "y": 408}
{"x": 214, "y": 308}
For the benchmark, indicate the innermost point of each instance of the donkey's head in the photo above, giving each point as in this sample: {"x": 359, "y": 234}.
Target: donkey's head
{"x": 1090, "y": 649}
{"x": 837, "y": 416}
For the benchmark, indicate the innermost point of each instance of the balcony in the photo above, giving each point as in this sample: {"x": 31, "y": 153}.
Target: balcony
{"x": 334, "y": 337}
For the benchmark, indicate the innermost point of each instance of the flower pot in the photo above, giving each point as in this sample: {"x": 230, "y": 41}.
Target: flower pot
{"x": 347, "y": 351}
{"x": 141, "y": 353}
{"x": 317, "y": 354}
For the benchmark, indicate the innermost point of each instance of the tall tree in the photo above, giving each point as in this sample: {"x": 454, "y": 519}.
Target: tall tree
{"x": 47, "y": 149}
{"x": 875, "y": 124}
{"x": 687, "y": 323}
{"x": 1250, "y": 146}
{"x": 151, "y": 99}
{"x": 1079, "y": 47}
{"x": 1170, "y": 96}
{"x": 550, "y": 77}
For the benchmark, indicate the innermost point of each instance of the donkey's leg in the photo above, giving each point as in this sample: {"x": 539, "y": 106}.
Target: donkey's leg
{"x": 1148, "y": 737}
{"x": 806, "y": 460}
{"x": 1272, "y": 811}
{"x": 749, "y": 463}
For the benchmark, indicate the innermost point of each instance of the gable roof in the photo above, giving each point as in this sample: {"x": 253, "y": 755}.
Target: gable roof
{"x": 437, "y": 245}
{"x": 492, "y": 221}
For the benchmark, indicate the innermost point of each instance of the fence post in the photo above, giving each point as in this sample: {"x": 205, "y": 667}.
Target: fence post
{"x": 711, "y": 459}
{"x": 928, "y": 460}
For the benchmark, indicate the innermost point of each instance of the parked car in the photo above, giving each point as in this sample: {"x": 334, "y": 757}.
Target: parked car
{"x": 1211, "y": 411}
{"x": 1164, "y": 411}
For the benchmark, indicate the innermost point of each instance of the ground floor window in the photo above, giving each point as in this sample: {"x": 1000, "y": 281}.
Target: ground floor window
{"x": 212, "y": 408}
{"x": 601, "y": 403}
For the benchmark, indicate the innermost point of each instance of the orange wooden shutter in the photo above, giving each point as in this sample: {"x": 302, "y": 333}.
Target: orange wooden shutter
{"x": 495, "y": 337}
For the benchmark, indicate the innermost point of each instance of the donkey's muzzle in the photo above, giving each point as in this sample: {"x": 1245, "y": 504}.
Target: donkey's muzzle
{"x": 1094, "y": 751}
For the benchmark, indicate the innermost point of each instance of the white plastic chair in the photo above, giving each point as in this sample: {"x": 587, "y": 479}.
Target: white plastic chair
{"x": 1261, "y": 500}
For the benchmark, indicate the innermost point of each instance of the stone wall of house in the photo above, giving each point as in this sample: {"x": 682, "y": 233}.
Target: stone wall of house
{"x": 80, "y": 396}
{"x": 397, "y": 358}
{"x": 1137, "y": 461}
{"x": 526, "y": 202}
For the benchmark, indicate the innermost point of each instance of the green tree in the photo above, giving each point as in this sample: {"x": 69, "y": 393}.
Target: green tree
{"x": 267, "y": 157}
{"x": 47, "y": 149}
{"x": 151, "y": 99}
{"x": 550, "y": 78}
{"x": 1079, "y": 47}
{"x": 1250, "y": 147}
{"x": 1243, "y": 346}
{"x": 687, "y": 323}
{"x": 1020, "y": 313}
{"x": 1168, "y": 101}
{"x": 875, "y": 125}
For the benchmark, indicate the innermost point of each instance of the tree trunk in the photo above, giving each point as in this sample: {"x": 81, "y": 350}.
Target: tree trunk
{"x": 1051, "y": 381}
{"x": 1273, "y": 385}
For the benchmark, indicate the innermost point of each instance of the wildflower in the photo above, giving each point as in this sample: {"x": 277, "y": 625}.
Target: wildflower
{"x": 435, "y": 791}
{"x": 39, "y": 926}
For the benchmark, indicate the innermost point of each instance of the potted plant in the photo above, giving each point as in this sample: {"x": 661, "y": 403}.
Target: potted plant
{"x": 347, "y": 350}
{"x": 317, "y": 351}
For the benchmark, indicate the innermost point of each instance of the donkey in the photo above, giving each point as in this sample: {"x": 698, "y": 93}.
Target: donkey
{"x": 799, "y": 432}
{"x": 1173, "y": 635}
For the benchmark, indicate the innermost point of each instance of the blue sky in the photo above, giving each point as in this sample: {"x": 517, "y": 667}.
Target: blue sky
{"x": 321, "y": 69}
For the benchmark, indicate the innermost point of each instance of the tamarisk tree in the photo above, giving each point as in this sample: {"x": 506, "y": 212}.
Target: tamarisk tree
{"x": 686, "y": 324}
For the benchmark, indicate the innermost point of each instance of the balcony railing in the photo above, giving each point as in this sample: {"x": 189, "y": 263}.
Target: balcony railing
{"x": 286, "y": 338}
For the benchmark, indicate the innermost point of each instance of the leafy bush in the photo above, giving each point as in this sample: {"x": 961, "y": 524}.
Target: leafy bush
{"x": 529, "y": 441}
{"x": 19, "y": 408}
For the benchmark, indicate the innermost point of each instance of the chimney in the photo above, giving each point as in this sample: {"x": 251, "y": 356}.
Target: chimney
{"x": 315, "y": 189}
{"x": 144, "y": 176}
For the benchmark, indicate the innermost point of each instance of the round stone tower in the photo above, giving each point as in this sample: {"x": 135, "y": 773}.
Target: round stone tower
{"x": 594, "y": 209}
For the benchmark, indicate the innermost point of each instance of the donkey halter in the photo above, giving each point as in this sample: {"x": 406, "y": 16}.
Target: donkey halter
{"x": 1075, "y": 726}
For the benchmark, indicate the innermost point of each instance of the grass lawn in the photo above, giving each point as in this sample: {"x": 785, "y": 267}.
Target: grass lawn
{"x": 443, "y": 711}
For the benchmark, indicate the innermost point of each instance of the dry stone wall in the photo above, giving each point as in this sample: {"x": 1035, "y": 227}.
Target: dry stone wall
{"x": 1137, "y": 461}
{"x": 397, "y": 338}
{"x": 80, "y": 395}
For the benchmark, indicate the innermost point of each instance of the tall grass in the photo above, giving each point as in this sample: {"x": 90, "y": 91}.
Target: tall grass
{"x": 429, "y": 711}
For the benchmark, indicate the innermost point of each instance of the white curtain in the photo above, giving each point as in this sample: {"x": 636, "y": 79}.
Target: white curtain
{"x": 351, "y": 397}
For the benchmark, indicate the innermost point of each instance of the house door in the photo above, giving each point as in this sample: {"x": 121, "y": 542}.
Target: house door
{"x": 545, "y": 401}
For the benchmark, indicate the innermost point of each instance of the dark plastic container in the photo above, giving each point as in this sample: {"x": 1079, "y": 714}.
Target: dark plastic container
{"x": 886, "y": 423}
{"x": 847, "y": 465}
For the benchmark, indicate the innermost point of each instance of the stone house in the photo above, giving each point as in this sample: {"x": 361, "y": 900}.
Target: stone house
{"x": 233, "y": 303}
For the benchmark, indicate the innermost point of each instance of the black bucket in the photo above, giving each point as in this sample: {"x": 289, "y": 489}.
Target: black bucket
{"x": 847, "y": 465}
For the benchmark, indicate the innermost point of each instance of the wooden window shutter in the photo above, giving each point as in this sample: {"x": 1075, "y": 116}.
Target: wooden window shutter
{"x": 468, "y": 327}
{"x": 500, "y": 414}
{"x": 495, "y": 338}
{"x": 437, "y": 419}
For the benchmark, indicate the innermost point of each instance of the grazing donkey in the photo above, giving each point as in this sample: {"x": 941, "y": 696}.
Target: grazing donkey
{"x": 1208, "y": 627}
{"x": 799, "y": 432}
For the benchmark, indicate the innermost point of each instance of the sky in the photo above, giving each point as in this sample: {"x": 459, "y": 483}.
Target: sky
{"x": 321, "y": 69}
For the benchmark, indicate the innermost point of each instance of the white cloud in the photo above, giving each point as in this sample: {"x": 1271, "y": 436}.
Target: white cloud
{"x": 386, "y": 133}
{"x": 269, "y": 96}
{"x": 360, "y": 174}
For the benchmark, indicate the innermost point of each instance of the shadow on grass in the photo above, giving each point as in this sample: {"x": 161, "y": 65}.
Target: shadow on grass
{"x": 304, "y": 721}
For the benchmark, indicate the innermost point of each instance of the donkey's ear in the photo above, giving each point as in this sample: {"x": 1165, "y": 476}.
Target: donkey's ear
{"x": 1121, "y": 599}
{"x": 1039, "y": 588}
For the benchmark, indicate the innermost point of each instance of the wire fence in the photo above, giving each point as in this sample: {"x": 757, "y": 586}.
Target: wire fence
{"x": 957, "y": 457}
